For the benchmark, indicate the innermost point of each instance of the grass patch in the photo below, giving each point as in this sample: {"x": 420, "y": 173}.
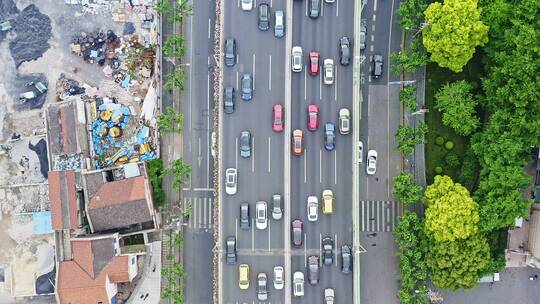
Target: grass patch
{"x": 435, "y": 154}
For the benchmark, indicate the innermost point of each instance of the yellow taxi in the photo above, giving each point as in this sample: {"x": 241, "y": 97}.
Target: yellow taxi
{"x": 327, "y": 201}
{"x": 243, "y": 276}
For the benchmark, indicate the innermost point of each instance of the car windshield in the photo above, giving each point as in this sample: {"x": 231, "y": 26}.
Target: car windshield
{"x": 297, "y": 143}
{"x": 345, "y": 123}
{"x": 244, "y": 142}
{"x": 313, "y": 115}
{"x": 261, "y": 213}
{"x": 314, "y": 60}
{"x": 277, "y": 120}
{"x": 245, "y": 83}
{"x": 230, "y": 178}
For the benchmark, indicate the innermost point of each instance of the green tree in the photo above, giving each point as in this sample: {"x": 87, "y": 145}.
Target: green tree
{"x": 452, "y": 214}
{"x": 413, "y": 57}
{"x": 180, "y": 170}
{"x": 458, "y": 264}
{"x": 175, "y": 79}
{"x": 412, "y": 261}
{"x": 406, "y": 190}
{"x": 455, "y": 30}
{"x": 420, "y": 133}
{"x": 457, "y": 105}
{"x": 407, "y": 95}
{"x": 155, "y": 174}
{"x": 408, "y": 137}
{"x": 411, "y": 13}
{"x": 174, "y": 46}
{"x": 170, "y": 121}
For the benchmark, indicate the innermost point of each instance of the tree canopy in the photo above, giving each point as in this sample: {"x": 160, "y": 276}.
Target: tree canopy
{"x": 451, "y": 214}
{"x": 406, "y": 190}
{"x": 454, "y": 30}
{"x": 457, "y": 105}
{"x": 170, "y": 121}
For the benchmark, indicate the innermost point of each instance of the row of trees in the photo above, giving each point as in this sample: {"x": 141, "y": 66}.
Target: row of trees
{"x": 408, "y": 137}
{"x": 174, "y": 288}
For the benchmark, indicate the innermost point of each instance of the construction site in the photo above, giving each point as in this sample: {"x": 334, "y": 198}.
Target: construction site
{"x": 78, "y": 92}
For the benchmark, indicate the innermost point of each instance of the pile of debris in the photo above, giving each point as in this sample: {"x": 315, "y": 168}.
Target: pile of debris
{"x": 117, "y": 138}
{"x": 68, "y": 87}
{"x": 119, "y": 9}
{"x": 125, "y": 59}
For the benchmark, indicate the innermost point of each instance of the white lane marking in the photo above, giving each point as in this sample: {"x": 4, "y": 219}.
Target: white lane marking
{"x": 254, "y": 82}
{"x": 320, "y": 248}
{"x": 269, "y": 246}
{"x": 236, "y": 232}
{"x": 203, "y": 189}
{"x": 199, "y": 150}
{"x": 204, "y": 212}
{"x": 337, "y": 8}
{"x": 305, "y": 84}
{"x": 270, "y": 74}
{"x": 194, "y": 207}
{"x": 362, "y": 217}
{"x": 336, "y": 83}
{"x": 320, "y": 84}
{"x": 375, "y": 6}
{"x": 371, "y": 48}
{"x": 305, "y": 166}
{"x": 237, "y": 58}
{"x": 320, "y": 166}
{"x": 209, "y": 26}
{"x": 207, "y": 134}
{"x": 252, "y": 234}
{"x": 335, "y": 248}
{"x": 335, "y": 167}
{"x": 269, "y": 154}
{"x": 373, "y": 27}
{"x": 322, "y": 8}
{"x": 307, "y": 8}
{"x": 237, "y": 77}
{"x": 253, "y": 155}
{"x": 236, "y": 153}
{"x": 210, "y": 213}
{"x": 270, "y": 3}
{"x": 305, "y": 250}
{"x": 374, "y": 18}
{"x": 372, "y": 38}
{"x": 238, "y": 3}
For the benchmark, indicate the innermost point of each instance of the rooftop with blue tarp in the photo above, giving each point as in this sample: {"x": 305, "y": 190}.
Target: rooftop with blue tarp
{"x": 42, "y": 222}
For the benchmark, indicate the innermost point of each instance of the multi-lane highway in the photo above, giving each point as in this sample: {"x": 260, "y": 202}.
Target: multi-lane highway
{"x": 318, "y": 169}
{"x": 260, "y": 176}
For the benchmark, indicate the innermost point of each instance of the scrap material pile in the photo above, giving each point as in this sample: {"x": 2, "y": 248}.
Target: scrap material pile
{"x": 117, "y": 137}
{"x": 125, "y": 59}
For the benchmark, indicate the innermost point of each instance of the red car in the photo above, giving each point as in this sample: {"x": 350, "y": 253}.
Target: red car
{"x": 277, "y": 122}
{"x": 313, "y": 63}
{"x": 313, "y": 117}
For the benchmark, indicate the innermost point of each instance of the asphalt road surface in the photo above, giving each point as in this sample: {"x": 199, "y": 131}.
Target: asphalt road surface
{"x": 198, "y": 105}
{"x": 261, "y": 175}
{"x": 380, "y": 118}
{"x": 318, "y": 169}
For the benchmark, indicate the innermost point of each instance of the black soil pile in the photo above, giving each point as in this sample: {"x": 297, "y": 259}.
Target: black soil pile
{"x": 41, "y": 150}
{"x": 33, "y": 30}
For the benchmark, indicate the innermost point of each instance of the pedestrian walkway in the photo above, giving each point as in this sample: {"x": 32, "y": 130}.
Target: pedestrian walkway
{"x": 200, "y": 216}
{"x": 378, "y": 216}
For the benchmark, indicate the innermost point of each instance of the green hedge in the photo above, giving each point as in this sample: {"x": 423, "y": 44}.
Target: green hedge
{"x": 155, "y": 172}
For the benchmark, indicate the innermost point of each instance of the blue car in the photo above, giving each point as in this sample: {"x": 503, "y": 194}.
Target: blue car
{"x": 329, "y": 136}
{"x": 247, "y": 87}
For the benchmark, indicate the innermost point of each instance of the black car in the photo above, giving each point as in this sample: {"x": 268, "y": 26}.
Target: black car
{"x": 328, "y": 250}
{"x": 344, "y": 50}
{"x": 228, "y": 100}
{"x": 245, "y": 144}
{"x": 377, "y": 66}
{"x": 231, "y": 250}
{"x": 230, "y": 52}
{"x": 346, "y": 259}
{"x": 314, "y": 8}
{"x": 245, "y": 219}
{"x": 264, "y": 17}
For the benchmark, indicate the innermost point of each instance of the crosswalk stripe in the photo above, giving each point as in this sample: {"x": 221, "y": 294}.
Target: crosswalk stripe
{"x": 201, "y": 211}
{"x": 379, "y": 216}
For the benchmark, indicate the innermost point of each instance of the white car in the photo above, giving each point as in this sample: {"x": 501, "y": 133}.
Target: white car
{"x": 328, "y": 71}
{"x": 344, "y": 121}
{"x": 371, "y": 167}
{"x": 329, "y": 296}
{"x": 278, "y": 277}
{"x": 312, "y": 208}
{"x": 296, "y": 59}
{"x": 261, "y": 221}
{"x": 247, "y": 5}
{"x": 329, "y": 1}
{"x": 360, "y": 152}
{"x": 230, "y": 181}
{"x": 298, "y": 284}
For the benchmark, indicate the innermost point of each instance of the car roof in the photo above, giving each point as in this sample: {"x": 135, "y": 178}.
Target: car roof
{"x": 329, "y": 126}
{"x": 328, "y": 61}
{"x": 298, "y": 132}
{"x": 230, "y": 170}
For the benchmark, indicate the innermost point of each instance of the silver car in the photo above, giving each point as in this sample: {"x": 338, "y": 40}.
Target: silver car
{"x": 230, "y": 181}
{"x": 344, "y": 121}
{"x": 277, "y": 212}
{"x": 329, "y": 296}
{"x": 328, "y": 71}
{"x": 371, "y": 161}
{"x": 312, "y": 208}
{"x": 262, "y": 289}
{"x": 297, "y": 59}
{"x": 279, "y": 27}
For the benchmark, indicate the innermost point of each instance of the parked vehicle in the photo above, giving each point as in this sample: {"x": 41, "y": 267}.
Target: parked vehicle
{"x": 277, "y": 211}
{"x": 279, "y": 26}
{"x": 230, "y": 181}
{"x": 312, "y": 208}
{"x": 346, "y": 259}
{"x": 298, "y": 284}
{"x": 262, "y": 289}
{"x": 228, "y": 100}
{"x": 279, "y": 281}
{"x": 230, "y": 52}
{"x": 231, "y": 250}
{"x": 243, "y": 276}
{"x": 328, "y": 71}
{"x": 264, "y": 17}
{"x": 245, "y": 218}
{"x": 377, "y": 66}
{"x": 345, "y": 46}
{"x": 261, "y": 221}
{"x": 344, "y": 121}
{"x": 328, "y": 250}
{"x": 297, "y": 233}
{"x": 313, "y": 269}
{"x": 296, "y": 59}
